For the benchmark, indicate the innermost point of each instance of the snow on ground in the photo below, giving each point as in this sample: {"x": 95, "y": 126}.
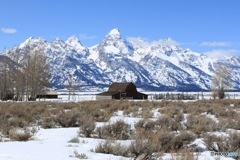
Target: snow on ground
{"x": 91, "y": 96}
{"x": 51, "y": 144}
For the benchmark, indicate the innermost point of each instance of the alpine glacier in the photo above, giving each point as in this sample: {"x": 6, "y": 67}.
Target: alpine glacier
{"x": 155, "y": 66}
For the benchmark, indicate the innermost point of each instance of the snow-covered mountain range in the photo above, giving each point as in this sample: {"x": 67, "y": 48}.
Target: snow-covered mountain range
{"x": 150, "y": 65}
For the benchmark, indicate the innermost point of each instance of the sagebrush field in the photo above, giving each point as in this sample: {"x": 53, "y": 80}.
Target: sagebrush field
{"x": 130, "y": 129}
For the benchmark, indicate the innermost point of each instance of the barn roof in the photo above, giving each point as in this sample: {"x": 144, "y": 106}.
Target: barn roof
{"x": 49, "y": 92}
{"x": 107, "y": 93}
{"x": 119, "y": 87}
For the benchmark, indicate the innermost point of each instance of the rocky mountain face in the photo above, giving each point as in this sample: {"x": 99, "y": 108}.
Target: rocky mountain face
{"x": 152, "y": 66}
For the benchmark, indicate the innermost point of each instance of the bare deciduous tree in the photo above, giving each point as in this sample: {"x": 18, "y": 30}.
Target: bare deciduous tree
{"x": 221, "y": 80}
{"x": 7, "y": 79}
{"x": 71, "y": 87}
{"x": 36, "y": 71}
{"x": 23, "y": 73}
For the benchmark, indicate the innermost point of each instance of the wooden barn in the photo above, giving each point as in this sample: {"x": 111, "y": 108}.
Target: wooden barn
{"x": 125, "y": 90}
{"x": 48, "y": 95}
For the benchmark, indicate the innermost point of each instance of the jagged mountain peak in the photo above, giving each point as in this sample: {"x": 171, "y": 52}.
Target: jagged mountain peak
{"x": 114, "y": 34}
{"x": 74, "y": 42}
{"x": 32, "y": 41}
{"x": 114, "y": 31}
{"x": 112, "y": 44}
{"x": 73, "y": 39}
{"x": 57, "y": 40}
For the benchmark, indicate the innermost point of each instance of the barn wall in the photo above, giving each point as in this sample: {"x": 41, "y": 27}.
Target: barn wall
{"x": 131, "y": 89}
{"x": 48, "y": 96}
{"x": 140, "y": 96}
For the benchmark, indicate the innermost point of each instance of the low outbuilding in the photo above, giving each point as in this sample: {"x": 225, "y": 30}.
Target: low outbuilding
{"x": 51, "y": 94}
{"x": 123, "y": 90}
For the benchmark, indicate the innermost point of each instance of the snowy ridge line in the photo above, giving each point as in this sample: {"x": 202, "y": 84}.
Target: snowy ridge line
{"x": 153, "y": 66}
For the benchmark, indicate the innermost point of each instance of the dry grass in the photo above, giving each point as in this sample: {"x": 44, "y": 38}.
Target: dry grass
{"x": 51, "y": 115}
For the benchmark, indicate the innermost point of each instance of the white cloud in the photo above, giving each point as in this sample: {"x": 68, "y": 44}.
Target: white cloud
{"x": 221, "y": 53}
{"x": 144, "y": 42}
{"x": 169, "y": 41}
{"x": 8, "y": 30}
{"x": 85, "y": 36}
{"x": 216, "y": 44}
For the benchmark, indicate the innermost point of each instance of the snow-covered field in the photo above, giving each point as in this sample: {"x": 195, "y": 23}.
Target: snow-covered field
{"x": 52, "y": 144}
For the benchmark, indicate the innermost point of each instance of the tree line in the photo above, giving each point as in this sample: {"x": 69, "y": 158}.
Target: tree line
{"x": 23, "y": 75}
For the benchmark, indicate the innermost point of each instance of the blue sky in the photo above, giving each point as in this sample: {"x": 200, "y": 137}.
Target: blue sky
{"x": 207, "y": 26}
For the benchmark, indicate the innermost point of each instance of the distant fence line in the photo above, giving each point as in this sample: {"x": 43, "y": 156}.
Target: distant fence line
{"x": 189, "y": 96}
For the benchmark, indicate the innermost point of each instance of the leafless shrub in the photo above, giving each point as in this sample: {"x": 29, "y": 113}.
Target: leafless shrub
{"x": 100, "y": 110}
{"x": 48, "y": 122}
{"x": 109, "y": 147}
{"x": 178, "y": 117}
{"x": 118, "y": 130}
{"x": 88, "y": 126}
{"x": 104, "y": 147}
{"x": 166, "y": 140}
{"x": 236, "y": 122}
{"x": 74, "y": 140}
{"x": 144, "y": 145}
{"x": 145, "y": 124}
{"x": 17, "y": 122}
{"x": 147, "y": 113}
{"x": 67, "y": 118}
{"x": 183, "y": 139}
{"x": 80, "y": 155}
{"x": 233, "y": 141}
{"x": 172, "y": 110}
{"x": 165, "y": 122}
{"x": 215, "y": 143}
{"x": 227, "y": 123}
{"x": 22, "y": 135}
{"x": 200, "y": 124}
